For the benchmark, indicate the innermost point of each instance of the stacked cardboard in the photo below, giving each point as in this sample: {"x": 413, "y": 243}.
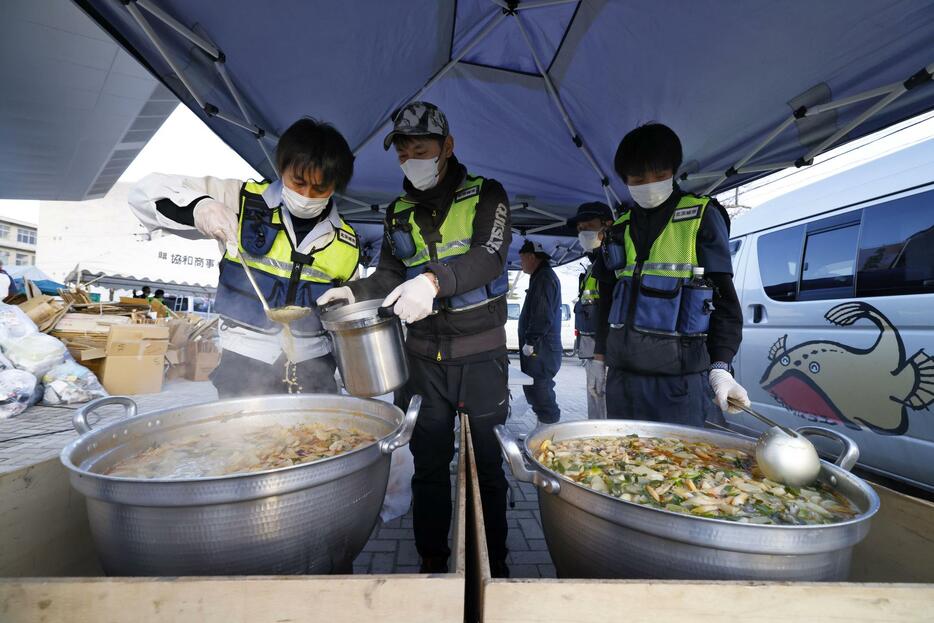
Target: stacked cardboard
{"x": 135, "y": 358}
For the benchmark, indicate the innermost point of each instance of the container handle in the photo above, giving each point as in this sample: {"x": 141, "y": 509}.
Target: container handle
{"x": 404, "y": 434}
{"x": 850, "y": 454}
{"x": 80, "y": 419}
{"x": 519, "y": 466}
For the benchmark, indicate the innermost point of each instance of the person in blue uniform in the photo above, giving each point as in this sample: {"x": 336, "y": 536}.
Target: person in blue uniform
{"x": 674, "y": 322}
{"x": 540, "y": 332}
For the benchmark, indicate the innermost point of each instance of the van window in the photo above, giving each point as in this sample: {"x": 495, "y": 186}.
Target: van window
{"x": 513, "y": 311}
{"x": 829, "y": 263}
{"x": 565, "y": 312}
{"x": 779, "y": 256}
{"x": 896, "y": 251}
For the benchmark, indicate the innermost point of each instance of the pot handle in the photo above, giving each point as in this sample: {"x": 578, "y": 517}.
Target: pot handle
{"x": 80, "y": 419}
{"x": 404, "y": 434}
{"x": 519, "y": 466}
{"x": 850, "y": 454}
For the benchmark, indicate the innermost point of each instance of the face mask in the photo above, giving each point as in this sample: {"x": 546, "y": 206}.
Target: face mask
{"x": 652, "y": 195}
{"x": 423, "y": 174}
{"x": 589, "y": 240}
{"x": 301, "y": 206}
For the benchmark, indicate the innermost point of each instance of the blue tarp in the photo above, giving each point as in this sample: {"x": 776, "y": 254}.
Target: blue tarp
{"x": 46, "y": 286}
{"x": 722, "y": 74}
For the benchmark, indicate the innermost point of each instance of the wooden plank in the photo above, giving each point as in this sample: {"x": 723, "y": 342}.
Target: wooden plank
{"x": 900, "y": 544}
{"x": 479, "y": 555}
{"x": 334, "y": 599}
{"x": 561, "y": 601}
{"x": 459, "y": 527}
{"x": 43, "y": 524}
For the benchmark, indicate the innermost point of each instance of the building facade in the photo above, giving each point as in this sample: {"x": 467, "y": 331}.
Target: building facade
{"x": 18, "y": 240}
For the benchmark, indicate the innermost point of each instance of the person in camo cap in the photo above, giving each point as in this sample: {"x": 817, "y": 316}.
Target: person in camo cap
{"x": 443, "y": 270}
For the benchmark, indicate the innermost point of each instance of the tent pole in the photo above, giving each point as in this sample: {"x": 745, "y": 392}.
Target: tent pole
{"x": 542, "y": 228}
{"x": 147, "y": 29}
{"x": 181, "y": 29}
{"x": 221, "y": 68}
{"x": 434, "y": 79}
{"x": 553, "y": 92}
{"x": 891, "y": 93}
{"x": 866, "y": 114}
{"x": 535, "y": 4}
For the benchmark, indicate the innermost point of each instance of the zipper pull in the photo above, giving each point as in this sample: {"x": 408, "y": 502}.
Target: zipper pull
{"x": 439, "y": 355}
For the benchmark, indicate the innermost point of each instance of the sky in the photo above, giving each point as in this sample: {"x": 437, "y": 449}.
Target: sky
{"x": 185, "y": 145}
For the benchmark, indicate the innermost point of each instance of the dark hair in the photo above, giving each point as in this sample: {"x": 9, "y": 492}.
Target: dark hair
{"x": 402, "y": 140}
{"x": 310, "y": 145}
{"x": 650, "y": 147}
{"x": 146, "y": 288}
{"x": 159, "y": 292}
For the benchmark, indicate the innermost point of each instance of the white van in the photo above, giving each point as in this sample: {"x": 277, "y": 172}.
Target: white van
{"x": 568, "y": 339}
{"x": 836, "y": 282}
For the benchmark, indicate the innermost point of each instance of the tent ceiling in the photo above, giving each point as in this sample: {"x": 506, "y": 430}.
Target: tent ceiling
{"x": 723, "y": 76}
{"x": 75, "y": 109}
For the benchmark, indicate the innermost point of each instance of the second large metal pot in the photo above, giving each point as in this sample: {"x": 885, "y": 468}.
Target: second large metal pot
{"x": 368, "y": 346}
{"x": 593, "y": 535}
{"x": 309, "y": 518}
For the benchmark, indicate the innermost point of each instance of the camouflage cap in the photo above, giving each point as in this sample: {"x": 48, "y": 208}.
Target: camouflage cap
{"x": 417, "y": 119}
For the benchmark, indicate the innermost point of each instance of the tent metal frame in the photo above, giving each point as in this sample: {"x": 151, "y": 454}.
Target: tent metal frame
{"x": 513, "y": 8}
{"x": 888, "y": 94}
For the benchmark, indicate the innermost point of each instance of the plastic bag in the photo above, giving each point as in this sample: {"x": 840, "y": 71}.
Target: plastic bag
{"x": 6, "y": 364}
{"x": 35, "y": 353}
{"x": 17, "y": 392}
{"x": 399, "y": 490}
{"x": 14, "y": 323}
{"x": 70, "y": 383}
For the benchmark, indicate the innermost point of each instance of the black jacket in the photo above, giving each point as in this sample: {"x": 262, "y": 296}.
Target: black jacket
{"x": 540, "y": 319}
{"x": 713, "y": 253}
{"x": 484, "y": 261}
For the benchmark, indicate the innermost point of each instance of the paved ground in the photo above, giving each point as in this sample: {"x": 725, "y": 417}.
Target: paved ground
{"x": 41, "y": 432}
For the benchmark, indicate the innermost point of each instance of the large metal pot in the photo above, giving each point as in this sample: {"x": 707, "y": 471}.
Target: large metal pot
{"x": 311, "y": 518}
{"x": 593, "y": 535}
{"x": 368, "y": 346}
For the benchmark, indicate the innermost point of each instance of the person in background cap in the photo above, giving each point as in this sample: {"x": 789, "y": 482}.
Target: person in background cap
{"x": 592, "y": 220}
{"x": 675, "y": 320}
{"x": 540, "y": 332}
{"x": 443, "y": 271}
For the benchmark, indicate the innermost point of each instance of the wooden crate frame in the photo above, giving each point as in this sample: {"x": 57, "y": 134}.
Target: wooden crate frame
{"x": 44, "y": 532}
{"x": 893, "y": 569}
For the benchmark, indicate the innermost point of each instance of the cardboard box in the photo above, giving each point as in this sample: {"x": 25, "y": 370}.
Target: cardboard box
{"x": 133, "y": 374}
{"x": 176, "y": 355}
{"x": 137, "y": 340}
{"x": 203, "y": 357}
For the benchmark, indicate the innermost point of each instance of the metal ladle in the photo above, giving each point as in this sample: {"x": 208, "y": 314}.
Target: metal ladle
{"x": 783, "y": 455}
{"x": 281, "y": 315}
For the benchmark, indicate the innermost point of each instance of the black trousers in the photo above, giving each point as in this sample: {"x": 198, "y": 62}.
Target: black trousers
{"x": 483, "y": 387}
{"x": 237, "y": 375}
{"x": 686, "y": 399}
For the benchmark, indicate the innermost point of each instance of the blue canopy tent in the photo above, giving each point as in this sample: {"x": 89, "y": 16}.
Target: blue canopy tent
{"x": 538, "y": 93}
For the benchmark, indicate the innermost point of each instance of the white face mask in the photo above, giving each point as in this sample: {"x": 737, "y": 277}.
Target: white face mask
{"x": 423, "y": 174}
{"x": 589, "y": 240}
{"x": 302, "y": 206}
{"x": 652, "y": 195}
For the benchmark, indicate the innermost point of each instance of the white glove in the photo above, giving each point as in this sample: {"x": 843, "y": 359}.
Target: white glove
{"x": 412, "y": 300}
{"x": 336, "y": 294}
{"x": 213, "y": 219}
{"x": 596, "y": 379}
{"x": 528, "y": 350}
{"x": 725, "y": 386}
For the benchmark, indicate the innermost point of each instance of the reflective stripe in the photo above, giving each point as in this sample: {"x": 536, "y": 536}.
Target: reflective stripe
{"x": 671, "y": 267}
{"x": 423, "y": 256}
{"x": 285, "y": 268}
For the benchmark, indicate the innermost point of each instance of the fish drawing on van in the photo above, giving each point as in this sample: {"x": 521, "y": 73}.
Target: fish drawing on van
{"x": 837, "y": 383}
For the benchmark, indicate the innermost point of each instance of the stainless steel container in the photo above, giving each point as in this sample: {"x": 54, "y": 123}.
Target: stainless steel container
{"x": 311, "y": 518}
{"x": 593, "y": 535}
{"x": 369, "y": 348}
